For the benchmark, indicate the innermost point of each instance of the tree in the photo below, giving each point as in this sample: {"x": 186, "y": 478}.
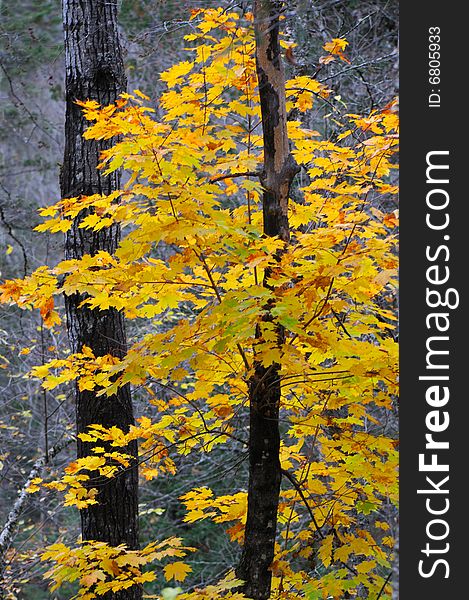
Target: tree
{"x": 265, "y": 384}
{"x": 95, "y": 71}
{"x": 231, "y": 292}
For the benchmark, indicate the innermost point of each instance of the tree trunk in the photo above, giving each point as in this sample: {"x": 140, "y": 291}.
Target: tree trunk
{"x": 95, "y": 70}
{"x": 264, "y": 389}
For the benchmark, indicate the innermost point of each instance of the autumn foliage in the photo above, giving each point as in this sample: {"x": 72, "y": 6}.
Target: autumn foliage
{"x": 191, "y": 266}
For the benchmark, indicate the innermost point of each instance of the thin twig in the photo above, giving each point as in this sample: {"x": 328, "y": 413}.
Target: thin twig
{"x": 386, "y": 581}
{"x": 297, "y": 487}
{"x": 233, "y": 175}
{"x": 355, "y": 67}
{"x": 12, "y": 520}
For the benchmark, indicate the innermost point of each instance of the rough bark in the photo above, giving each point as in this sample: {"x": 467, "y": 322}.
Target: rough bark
{"x": 95, "y": 70}
{"x": 264, "y": 389}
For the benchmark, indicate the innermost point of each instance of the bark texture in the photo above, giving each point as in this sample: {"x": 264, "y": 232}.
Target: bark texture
{"x": 264, "y": 389}
{"x": 95, "y": 70}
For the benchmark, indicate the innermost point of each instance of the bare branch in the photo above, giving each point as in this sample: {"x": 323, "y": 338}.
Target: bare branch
{"x": 23, "y": 496}
{"x": 365, "y": 64}
{"x": 233, "y": 175}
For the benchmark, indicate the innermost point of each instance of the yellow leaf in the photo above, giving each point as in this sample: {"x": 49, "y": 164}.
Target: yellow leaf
{"x": 325, "y": 551}
{"x": 131, "y": 558}
{"x": 335, "y": 45}
{"x": 93, "y": 577}
{"x": 175, "y": 74}
{"x": 34, "y": 485}
{"x": 141, "y": 95}
{"x": 177, "y": 570}
{"x": 366, "y": 566}
{"x": 110, "y": 566}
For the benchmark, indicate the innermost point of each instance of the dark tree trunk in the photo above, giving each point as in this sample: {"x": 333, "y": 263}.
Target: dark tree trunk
{"x": 95, "y": 70}
{"x": 264, "y": 389}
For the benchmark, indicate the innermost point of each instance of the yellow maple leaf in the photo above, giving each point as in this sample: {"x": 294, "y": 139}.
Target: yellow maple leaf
{"x": 141, "y": 95}
{"x": 175, "y": 74}
{"x": 132, "y": 559}
{"x": 325, "y": 551}
{"x": 93, "y": 577}
{"x": 177, "y": 570}
{"x": 34, "y": 485}
{"x": 110, "y": 565}
{"x": 336, "y": 45}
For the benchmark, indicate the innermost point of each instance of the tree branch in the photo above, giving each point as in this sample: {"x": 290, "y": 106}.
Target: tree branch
{"x": 233, "y": 175}
{"x": 355, "y": 67}
{"x": 15, "y": 513}
{"x": 297, "y": 487}
{"x": 386, "y": 581}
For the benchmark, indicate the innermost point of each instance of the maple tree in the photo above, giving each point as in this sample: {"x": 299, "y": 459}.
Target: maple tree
{"x": 299, "y": 311}
{"x": 95, "y": 71}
